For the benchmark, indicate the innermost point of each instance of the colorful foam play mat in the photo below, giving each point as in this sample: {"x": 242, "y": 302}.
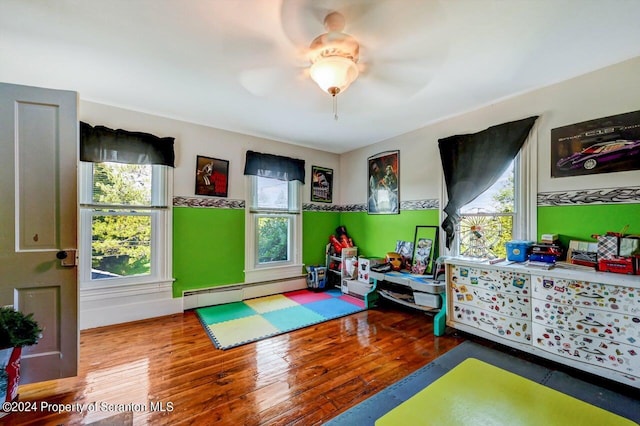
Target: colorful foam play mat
{"x": 237, "y": 323}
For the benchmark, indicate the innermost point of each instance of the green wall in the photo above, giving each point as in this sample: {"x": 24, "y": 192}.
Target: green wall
{"x": 375, "y": 235}
{"x": 316, "y": 228}
{"x": 580, "y": 222}
{"x": 208, "y": 247}
{"x": 208, "y": 243}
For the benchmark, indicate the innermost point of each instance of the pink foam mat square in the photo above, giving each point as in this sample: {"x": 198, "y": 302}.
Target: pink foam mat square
{"x": 306, "y": 296}
{"x": 352, "y": 300}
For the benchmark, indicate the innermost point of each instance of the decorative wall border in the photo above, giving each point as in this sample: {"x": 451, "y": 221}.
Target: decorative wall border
{"x": 218, "y": 203}
{"x": 224, "y": 203}
{"x": 420, "y": 204}
{"x": 628, "y": 195}
{"x": 354, "y": 208}
{"x": 310, "y": 207}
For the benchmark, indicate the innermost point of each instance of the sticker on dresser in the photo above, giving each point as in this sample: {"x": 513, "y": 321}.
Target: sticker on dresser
{"x": 494, "y": 323}
{"x": 494, "y": 280}
{"x": 587, "y": 294}
{"x": 616, "y": 356}
{"x": 512, "y": 305}
{"x": 615, "y": 326}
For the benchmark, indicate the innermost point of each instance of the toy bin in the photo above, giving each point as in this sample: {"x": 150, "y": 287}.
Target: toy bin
{"x": 518, "y": 251}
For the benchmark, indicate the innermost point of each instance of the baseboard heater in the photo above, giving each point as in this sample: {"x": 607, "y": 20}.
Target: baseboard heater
{"x": 237, "y": 292}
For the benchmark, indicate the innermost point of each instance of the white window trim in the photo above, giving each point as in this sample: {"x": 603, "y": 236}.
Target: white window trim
{"x": 526, "y": 179}
{"x": 258, "y": 273}
{"x": 526, "y": 224}
{"x": 161, "y": 241}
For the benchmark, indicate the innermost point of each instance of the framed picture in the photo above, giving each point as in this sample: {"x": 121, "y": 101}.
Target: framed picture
{"x": 384, "y": 179}
{"x": 425, "y": 249}
{"x": 212, "y": 176}
{"x": 322, "y": 184}
{"x": 604, "y": 145}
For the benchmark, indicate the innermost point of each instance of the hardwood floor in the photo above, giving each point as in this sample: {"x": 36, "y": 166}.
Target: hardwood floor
{"x": 167, "y": 371}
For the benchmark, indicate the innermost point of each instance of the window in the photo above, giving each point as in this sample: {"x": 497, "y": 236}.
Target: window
{"x": 486, "y": 223}
{"x": 502, "y": 213}
{"x": 124, "y": 224}
{"x": 273, "y": 226}
{"x": 471, "y": 164}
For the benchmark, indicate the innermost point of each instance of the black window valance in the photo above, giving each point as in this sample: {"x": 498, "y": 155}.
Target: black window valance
{"x": 472, "y": 163}
{"x": 274, "y": 166}
{"x": 101, "y": 144}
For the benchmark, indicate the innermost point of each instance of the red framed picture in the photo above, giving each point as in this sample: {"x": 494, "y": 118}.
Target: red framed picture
{"x": 212, "y": 176}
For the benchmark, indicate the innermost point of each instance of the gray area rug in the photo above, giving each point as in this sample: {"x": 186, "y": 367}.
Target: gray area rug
{"x": 623, "y": 401}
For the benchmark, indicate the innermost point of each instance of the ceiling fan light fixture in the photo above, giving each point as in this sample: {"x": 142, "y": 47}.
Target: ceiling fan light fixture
{"x": 333, "y": 74}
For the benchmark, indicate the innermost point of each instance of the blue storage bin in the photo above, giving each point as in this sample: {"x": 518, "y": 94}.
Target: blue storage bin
{"x": 518, "y": 251}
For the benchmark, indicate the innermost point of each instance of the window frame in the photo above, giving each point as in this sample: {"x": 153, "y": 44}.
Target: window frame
{"x": 255, "y": 272}
{"x": 161, "y": 215}
{"x": 525, "y": 196}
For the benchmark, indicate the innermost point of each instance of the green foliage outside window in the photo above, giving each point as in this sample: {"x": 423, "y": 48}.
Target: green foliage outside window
{"x": 273, "y": 237}
{"x": 505, "y": 200}
{"x": 121, "y": 242}
{"x": 485, "y": 233}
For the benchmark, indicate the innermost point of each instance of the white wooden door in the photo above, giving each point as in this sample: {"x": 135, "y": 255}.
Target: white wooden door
{"x": 38, "y": 216}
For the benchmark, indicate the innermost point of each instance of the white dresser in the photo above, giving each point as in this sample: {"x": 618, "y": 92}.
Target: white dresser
{"x": 587, "y": 320}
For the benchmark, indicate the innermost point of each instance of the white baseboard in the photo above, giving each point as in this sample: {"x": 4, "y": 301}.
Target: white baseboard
{"x": 119, "y": 305}
{"x": 102, "y": 307}
{"x": 236, "y": 293}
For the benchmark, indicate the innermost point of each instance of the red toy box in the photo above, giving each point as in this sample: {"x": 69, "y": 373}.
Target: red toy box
{"x": 619, "y": 265}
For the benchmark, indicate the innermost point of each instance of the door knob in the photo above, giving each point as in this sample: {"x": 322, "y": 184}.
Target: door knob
{"x": 67, "y": 257}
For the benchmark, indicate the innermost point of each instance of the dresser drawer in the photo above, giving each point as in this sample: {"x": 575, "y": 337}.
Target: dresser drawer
{"x": 589, "y": 349}
{"x": 613, "y": 326}
{"x": 492, "y": 322}
{"x": 513, "y": 305}
{"x": 494, "y": 280}
{"x": 586, "y": 294}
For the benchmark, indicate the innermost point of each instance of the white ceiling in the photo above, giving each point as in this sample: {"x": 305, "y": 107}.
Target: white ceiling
{"x": 239, "y": 65}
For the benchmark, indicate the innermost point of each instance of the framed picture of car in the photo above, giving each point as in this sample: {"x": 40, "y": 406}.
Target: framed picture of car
{"x": 604, "y": 145}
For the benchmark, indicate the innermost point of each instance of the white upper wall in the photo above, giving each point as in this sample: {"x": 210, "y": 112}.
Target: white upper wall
{"x": 610, "y": 91}
{"x": 193, "y": 140}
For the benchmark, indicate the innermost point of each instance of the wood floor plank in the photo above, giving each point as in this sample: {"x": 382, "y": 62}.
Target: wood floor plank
{"x": 304, "y": 377}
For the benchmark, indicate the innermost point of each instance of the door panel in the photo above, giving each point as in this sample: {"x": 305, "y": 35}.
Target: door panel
{"x": 36, "y": 151}
{"x": 38, "y": 217}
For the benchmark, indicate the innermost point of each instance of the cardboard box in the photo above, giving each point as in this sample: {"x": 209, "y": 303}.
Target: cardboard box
{"x": 608, "y": 246}
{"x": 629, "y": 246}
{"x": 583, "y": 253}
{"x": 364, "y": 267}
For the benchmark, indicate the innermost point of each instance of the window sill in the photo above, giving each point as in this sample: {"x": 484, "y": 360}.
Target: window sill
{"x": 272, "y": 273}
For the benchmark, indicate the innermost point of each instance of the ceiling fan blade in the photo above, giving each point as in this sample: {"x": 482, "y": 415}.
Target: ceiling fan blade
{"x": 284, "y": 85}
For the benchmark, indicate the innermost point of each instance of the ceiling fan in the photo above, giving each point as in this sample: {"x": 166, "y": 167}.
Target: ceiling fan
{"x": 382, "y": 53}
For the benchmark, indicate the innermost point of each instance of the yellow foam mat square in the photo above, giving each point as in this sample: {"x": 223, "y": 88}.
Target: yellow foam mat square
{"x": 270, "y": 303}
{"x": 242, "y": 330}
{"x": 477, "y": 393}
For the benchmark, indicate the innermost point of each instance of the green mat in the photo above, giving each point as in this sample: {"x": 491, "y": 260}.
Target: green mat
{"x": 477, "y": 393}
{"x": 618, "y": 399}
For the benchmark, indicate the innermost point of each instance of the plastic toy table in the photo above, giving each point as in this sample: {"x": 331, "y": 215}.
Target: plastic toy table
{"x": 477, "y": 393}
{"x": 419, "y": 283}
